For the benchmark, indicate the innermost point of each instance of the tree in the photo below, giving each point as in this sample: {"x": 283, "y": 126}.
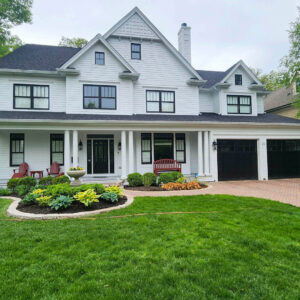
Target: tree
{"x": 291, "y": 62}
{"x": 272, "y": 81}
{"x": 72, "y": 42}
{"x": 12, "y": 13}
{"x": 10, "y": 45}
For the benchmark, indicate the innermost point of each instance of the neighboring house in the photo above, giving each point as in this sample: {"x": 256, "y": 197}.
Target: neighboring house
{"x": 280, "y": 102}
{"x": 129, "y": 98}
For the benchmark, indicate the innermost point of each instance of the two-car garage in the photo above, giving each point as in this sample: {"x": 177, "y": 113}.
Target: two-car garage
{"x": 237, "y": 159}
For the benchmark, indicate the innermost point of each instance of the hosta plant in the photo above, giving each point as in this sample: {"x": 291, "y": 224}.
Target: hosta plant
{"x": 61, "y": 202}
{"x": 88, "y": 197}
{"x": 110, "y": 197}
{"x": 44, "y": 200}
{"x": 29, "y": 199}
{"x": 114, "y": 189}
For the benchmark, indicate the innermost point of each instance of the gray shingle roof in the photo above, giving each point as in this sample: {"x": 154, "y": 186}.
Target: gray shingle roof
{"x": 281, "y": 98}
{"x": 213, "y": 77}
{"x": 37, "y": 57}
{"x": 205, "y": 117}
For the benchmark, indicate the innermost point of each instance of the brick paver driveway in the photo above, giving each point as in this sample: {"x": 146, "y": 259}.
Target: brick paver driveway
{"x": 283, "y": 190}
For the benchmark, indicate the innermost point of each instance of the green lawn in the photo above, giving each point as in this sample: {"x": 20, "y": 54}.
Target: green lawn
{"x": 234, "y": 247}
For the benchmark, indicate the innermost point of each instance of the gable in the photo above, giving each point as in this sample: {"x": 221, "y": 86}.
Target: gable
{"x": 246, "y": 79}
{"x": 135, "y": 27}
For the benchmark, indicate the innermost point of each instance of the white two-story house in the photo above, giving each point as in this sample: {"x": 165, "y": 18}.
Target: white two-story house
{"x": 129, "y": 98}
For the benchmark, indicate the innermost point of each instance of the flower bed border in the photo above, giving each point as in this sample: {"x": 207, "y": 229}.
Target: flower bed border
{"x": 13, "y": 212}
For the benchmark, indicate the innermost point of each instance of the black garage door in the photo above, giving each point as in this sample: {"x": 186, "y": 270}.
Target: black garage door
{"x": 237, "y": 159}
{"x": 283, "y": 158}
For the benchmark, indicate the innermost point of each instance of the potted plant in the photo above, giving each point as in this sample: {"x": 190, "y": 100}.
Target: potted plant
{"x": 76, "y": 173}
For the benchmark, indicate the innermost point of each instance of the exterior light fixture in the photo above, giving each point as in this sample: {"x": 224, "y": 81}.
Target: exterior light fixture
{"x": 215, "y": 145}
{"x": 119, "y": 146}
{"x": 80, "y": 145}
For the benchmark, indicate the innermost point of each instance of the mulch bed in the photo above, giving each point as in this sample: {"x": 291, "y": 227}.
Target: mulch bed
{"x": 74, "y": 208}
{"x": 153, "y": 188}
{"x": 144, "y": 188}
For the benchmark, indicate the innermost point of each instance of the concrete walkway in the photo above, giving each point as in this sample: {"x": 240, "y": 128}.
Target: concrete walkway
{"x": 283, "y": 190}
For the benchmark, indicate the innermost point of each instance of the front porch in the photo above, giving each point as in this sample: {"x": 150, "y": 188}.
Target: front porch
{"x": 107, "y": 155}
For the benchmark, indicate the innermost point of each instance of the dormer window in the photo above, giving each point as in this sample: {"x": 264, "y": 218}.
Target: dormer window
{"x": 99, "y": 58}
{"x": 238, "y": 104}
{"x": 238, "y": 79}
{"x": 136, "y": 51}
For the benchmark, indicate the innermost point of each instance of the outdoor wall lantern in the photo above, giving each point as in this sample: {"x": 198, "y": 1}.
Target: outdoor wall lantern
{"x": 80, "y": 145}
{"x": 119, "y": 146}
{"x": 215, "y": 145}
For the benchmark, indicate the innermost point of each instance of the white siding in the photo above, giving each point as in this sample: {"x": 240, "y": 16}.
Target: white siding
{"x": 107, "y": 74}
{"x": 159, "y": 69}
{"x": 135, "y": 27}
{"x": 57, "y": 90}
{"x": 206, "y": 100}
{"x": 260, "y": 105}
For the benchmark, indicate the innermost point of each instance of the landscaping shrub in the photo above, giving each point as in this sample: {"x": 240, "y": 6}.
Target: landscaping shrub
{"x": 149, "y": 179}
{"x": 12, "y": 184}
{"x": 193, "y": 185}
{"x": 44, "y": 200}
{"x": 38, "y": 192}
{"x": 5, "y": 192}
{"x": 28, "y": 181}
{"x": 110, "y": 197}
{"x": 176, "y": 175}
{"x": 165, "y": 178}
{"x": 173, "y": 186}
{"x": 88, "y": 197}
{"x": 181, "y": 180}
{"x": 135, "y": 179}
{"x": 29, "y": 199}
{"x": 61, "y": 179}
{"x": 46, "y": 181}
{"x": 59, "y": 189}
{"x": 114, "y": 189}
{"x": 98, "y": 188}
{"x": 61, "y": 202}
{"x": 22, "y": 190}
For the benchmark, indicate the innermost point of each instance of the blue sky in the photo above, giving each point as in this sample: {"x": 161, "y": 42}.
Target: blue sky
{"x": 223, "y": 31}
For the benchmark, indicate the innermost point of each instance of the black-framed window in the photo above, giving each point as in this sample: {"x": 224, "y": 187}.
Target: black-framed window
{"x": 238, "y": 79}
{"x": 180, "y": 147}
{"x": 57, "y": 148}
{"x": 238, "y": 104}
{"x": 163, "y": 146}
{"x": 99, "y": 58}
{"x": 160, "y": 101}
{"x": 146, "y": 146}
{"x": 16, "y": 149}
{"x": 136, "y": 51}
{"x": 99, "y": 97}
{"x": 28, "y": 96}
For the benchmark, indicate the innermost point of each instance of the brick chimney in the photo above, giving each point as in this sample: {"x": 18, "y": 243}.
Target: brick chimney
{"x": 184, "y": 41}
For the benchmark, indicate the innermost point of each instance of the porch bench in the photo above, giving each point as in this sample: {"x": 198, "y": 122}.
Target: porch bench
{"x": 164, "y": 165}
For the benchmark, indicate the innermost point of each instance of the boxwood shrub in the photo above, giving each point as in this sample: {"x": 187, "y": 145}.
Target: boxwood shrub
{"x": 149, "y": 179}
{"x": 135, "y": 179}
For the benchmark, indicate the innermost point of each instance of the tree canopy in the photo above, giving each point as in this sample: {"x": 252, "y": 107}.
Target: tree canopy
{"x": 12, "y": 13}
{"x": 72, "y": 42}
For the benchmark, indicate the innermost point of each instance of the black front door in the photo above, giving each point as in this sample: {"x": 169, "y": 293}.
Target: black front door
{"x": 237, "y": 159}
{"x": 283, "y": 158}
{"x": 100, "y": 156}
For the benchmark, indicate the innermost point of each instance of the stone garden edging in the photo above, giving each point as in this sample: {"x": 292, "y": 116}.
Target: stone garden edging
{"x": 13, "y": 212}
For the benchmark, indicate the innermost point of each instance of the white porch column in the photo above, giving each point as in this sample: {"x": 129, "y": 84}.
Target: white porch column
{"x": 75, "y": 148}
{"x": 206, "y": 154}
{"x": 67, "y": 153}
{"x": 262, "y": 158}
{"x": 123, "y": 145}
{"x": 131, "y": 152}
{"x": 200, "y": 154}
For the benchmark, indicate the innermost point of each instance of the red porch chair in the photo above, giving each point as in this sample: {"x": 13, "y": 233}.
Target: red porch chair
{"x": 54, "y": 169}
{"x": 23, "y": 171}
